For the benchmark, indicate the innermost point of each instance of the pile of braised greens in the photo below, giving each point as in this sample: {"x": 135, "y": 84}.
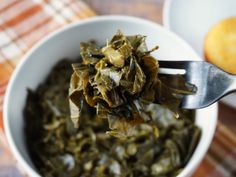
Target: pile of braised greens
{"x": 118, "y": 83}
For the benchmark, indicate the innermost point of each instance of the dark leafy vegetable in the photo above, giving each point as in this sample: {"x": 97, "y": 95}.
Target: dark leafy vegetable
{"x": 58, "y": 149}
{"x": 118, "y": 83}
{"x": 120, "y": 80}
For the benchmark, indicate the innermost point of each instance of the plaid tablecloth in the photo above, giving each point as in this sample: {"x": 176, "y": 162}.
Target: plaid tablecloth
{"x": 24, "y": 22}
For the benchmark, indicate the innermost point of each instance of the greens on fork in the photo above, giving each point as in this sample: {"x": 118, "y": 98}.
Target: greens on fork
{"x": 121, "y": 80}
{"x": 119, "y": 83}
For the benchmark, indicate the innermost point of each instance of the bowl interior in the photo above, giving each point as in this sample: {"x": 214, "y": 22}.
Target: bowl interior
{"x": 65, "y": 43}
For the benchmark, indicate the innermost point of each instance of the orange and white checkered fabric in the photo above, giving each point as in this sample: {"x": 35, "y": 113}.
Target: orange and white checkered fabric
{"x": 24, "y": 22}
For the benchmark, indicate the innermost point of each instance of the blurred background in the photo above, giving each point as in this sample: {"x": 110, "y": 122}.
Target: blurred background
{"x": 24, "y": 22}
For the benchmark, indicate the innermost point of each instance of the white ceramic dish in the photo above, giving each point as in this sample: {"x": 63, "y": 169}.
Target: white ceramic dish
{"x": 37, "y": 63}
{"x": 192, "y": 19}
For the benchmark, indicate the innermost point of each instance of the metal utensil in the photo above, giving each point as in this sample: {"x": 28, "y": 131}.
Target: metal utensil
{"x": 212, "y": 83}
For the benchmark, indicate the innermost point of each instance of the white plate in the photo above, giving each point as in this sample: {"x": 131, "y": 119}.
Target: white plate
{"x": 192, "y": 19}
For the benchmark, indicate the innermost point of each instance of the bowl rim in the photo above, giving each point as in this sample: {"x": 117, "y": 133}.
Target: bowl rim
{"x": 188, "y": 169}
{"x": 166, "y": 12}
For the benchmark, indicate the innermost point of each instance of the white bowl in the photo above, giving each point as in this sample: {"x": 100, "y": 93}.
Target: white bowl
{"x": 37, "y": 63}
{"x": 192, "y": 19}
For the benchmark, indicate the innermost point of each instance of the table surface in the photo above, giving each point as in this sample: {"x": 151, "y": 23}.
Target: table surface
{"x": 152, "y": 10}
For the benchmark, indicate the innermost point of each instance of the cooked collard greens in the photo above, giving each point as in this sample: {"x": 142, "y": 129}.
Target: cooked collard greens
{"x": 118, "y": 82}
{"x": 121, "y": 80}
{"x": 58, "y": 149}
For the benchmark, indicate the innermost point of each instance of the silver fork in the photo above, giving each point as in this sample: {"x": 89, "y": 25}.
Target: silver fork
{"x": 212, "y": 83}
